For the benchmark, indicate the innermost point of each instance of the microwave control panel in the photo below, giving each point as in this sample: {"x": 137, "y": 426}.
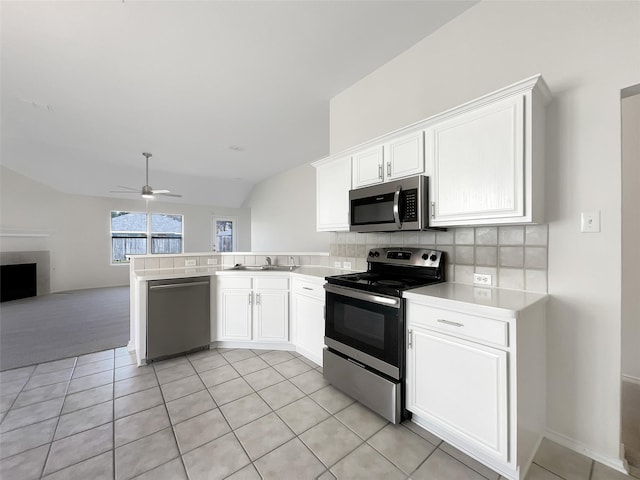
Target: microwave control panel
{"x": 410, "y": 205}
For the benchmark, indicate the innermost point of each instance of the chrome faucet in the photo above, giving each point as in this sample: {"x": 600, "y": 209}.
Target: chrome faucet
{"x": 268, "y": 260}
{"x": 291, "y": 262}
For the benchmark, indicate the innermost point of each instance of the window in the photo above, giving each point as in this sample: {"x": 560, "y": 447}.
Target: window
{"x": 139, "y": 233}
{"x": 224, "y": 235}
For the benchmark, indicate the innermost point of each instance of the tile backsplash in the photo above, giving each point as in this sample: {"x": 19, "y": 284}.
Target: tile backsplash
{"x": 515, "y": 256}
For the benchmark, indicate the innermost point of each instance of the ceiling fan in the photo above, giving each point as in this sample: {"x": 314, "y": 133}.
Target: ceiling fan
{"x": 147, "y": 191}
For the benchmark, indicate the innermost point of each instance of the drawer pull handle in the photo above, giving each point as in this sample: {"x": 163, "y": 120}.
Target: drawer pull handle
{"x": 307, "y": 288}
{"x": 449, "y": 322}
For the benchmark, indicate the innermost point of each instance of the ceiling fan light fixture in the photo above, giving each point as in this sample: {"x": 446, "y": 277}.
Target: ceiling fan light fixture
{"x": 147, "y": 192}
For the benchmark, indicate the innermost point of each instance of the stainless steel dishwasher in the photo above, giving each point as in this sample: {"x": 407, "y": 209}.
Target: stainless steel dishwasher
{"x": 178, "y": 316}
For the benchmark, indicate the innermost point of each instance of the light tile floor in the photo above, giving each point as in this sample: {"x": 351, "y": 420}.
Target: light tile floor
{"x": 238, "y": 414}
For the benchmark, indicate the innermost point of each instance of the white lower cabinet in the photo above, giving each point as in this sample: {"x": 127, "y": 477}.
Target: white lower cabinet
{"x": 307, "y": 318}
{"x": 461, "y": 384}
{"x": 253, "y": 309}
{"x": 476, "y": 378}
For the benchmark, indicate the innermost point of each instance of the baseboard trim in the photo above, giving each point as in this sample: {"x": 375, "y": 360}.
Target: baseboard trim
{"x": 631, "y": 379}
{"x": 618, "y": 464}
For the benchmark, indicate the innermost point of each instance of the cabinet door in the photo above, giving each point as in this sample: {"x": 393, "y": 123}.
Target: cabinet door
{"x": 367, "y": 167}
{"x": 405, "y": 156}
{"x": 461, "y": 386}
{"x": 271, "y": 316}
{"x": 235, "y": 314}
{"x": 309, "y": 326}
{"x": 333, "y": 182}
{"x": 476, "y": 165}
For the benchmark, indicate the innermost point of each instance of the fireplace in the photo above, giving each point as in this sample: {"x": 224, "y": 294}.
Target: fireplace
{"x": 18, "y": 281}
{"x": 17, "y": 273}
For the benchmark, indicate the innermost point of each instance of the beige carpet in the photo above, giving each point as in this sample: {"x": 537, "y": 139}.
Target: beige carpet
{"x": 66, "y": 324}
{"x": 631, "y": 423}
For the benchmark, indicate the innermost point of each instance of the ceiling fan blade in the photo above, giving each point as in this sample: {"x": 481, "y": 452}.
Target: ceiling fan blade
{"x": 161, "y": 191}
{"x": 124, "y": 191}
{"x": 128, "y": 188}
{"x": 166, "y": 194}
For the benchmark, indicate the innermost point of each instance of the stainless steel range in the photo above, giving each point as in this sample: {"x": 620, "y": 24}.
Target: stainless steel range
{"x": 365, "y": 328}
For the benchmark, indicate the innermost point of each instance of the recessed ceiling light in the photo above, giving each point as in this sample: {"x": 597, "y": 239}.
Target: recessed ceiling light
{"x": 236, "y": 148}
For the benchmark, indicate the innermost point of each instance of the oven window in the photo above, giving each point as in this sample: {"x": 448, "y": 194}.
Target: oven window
{"x": 362, "y": 324}
{"x": 366, "y": 326}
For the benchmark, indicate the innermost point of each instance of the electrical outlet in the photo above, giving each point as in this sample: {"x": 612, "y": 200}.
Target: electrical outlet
{"x": 482, "y": 279}
{"x": 212, "y": 261}
{"x": 346, "y": 265}
{"x": 337, "y": 264}
{"x": 190, "y": 263}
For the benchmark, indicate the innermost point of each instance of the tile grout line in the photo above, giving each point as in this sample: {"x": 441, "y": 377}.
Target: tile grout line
{"x": 550, "y": 471}
{"x": 295, "y": 436}
{"x": 4, "y": 416}
{"x": 46, "y": 458}
{"x": 171, "y": 426}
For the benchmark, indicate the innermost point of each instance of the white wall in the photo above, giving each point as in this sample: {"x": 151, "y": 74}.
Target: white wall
{"x": 77, "y": 229}
{"x": 587, "y": 52}
{"x": 631, "y": 237}
{"x": 283, "y": 213}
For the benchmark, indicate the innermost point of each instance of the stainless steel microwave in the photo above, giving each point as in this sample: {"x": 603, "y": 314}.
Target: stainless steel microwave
{"x": 391, "y": 206}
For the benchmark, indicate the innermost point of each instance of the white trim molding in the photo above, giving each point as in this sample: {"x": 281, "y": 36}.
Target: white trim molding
{"x": 618, "y": 464}
{"x": 630, "y": 379}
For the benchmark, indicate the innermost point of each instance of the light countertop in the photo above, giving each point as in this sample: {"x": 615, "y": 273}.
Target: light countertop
{"x": 500, "y": 302}
{"x": 185, "y": 272}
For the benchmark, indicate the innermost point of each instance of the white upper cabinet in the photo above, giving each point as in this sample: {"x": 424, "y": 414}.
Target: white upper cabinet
{"x": 333, "y": 182}
{"x": 399, "y": 157}
{"x": 485, "y": 160}
{"x": 405, "y": 156}
{"x": 368, "y": 167}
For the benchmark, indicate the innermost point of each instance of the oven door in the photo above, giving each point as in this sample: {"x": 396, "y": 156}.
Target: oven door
{"x": 366, "y": 327}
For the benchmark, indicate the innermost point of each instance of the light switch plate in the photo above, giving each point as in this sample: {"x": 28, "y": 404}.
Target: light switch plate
{"x": 190, "y": 263}
{"x": 212, "y": 261}
{"x": 337, "y": 264}
{"x": 590, "y": 222}
{"x": 346, "y": 265}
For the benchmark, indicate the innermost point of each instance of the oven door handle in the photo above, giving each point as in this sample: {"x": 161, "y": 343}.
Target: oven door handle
{"x": 396, "y": 207}
{"x": 366, "y": 296}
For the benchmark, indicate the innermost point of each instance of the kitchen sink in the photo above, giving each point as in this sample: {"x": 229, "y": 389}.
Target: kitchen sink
{"x": 261, "y": 268}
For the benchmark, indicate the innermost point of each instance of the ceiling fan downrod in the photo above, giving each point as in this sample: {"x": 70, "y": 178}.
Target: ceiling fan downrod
{"x": 146, "y": 156}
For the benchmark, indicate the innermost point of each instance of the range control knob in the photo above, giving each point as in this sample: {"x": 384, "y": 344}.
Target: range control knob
{"x": 433, "y": 257}
{"x": 371, "y": 253}
{"x": 376, "y": 253}
{"x": 425, "y": 256}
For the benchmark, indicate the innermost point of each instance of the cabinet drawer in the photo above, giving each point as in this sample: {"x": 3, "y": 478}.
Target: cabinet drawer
{"x": 234, "y": 282}
{"x": 460, "y": 324}
{"x": 309, "y": 289}
{"x": 270, "y": 283}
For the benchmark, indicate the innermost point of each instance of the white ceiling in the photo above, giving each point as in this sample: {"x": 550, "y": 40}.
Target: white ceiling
{"x": 88, "y": 86}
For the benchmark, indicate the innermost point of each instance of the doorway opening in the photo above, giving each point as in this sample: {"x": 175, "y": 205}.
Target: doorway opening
{"x": 630, "y": 395}
{"x": 225, "y": 234}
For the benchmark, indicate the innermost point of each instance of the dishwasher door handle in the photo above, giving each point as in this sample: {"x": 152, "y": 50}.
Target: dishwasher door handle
{"x": 177, "y": 285}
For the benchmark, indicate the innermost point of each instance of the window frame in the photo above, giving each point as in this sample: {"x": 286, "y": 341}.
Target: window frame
{"x": 147, "y": 235}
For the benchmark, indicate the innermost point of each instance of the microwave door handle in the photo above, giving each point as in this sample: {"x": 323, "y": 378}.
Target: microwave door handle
{"x": 396, "y": 207}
